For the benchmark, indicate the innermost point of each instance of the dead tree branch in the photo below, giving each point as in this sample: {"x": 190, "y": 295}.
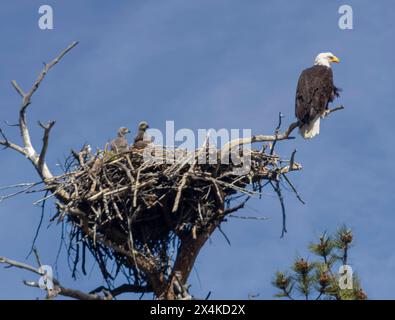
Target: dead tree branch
{"x": 27, "y": 149}
{"x": 58, "y": 290}
{"x": 47, "y": 129}
{"x": 271, "y": 138}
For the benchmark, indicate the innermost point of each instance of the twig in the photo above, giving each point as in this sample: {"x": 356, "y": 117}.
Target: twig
{"x": 225, "y": 236}
{"x": 37, "y": 257}
{"x": 280, "y": 116}
{"x": 38, "y": 228}
{"x": 124, "y": 288}
{"x": 20, "y": 265}
{"x": 277, "y": 188}
{"x": 268, "y": 138}
{"x": 293, "y": 188}
{"x": 47, "y": 129}
{"x": 8, "y": 144}
{"x": 236, "y": 208}
{"x": 248, "y": 217}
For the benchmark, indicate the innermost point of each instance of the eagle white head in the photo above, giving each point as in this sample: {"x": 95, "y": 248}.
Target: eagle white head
{"x": 325, "y": 59}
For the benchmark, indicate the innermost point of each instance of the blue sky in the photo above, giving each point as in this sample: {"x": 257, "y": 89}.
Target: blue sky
{"x": 213, "y": 64}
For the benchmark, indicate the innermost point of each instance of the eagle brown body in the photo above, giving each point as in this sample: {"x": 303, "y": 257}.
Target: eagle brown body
{"x": 120, "y": 143}
{"x": 315, "y": 90}
{"x": 139, "y": 141}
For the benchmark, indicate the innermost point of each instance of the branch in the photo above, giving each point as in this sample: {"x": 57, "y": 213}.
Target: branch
{"x": 59, "y": 289}
{"x": 248, "y": 217}
{"x": 28, "y": 150}
{"x": 20, "y": 265}
{"x": 124, "y": 288}
{"x": 329, "y": 111}
{"x": 18, "y": 88}
{"x": 271, "y": 138}
{"x": 41, "y": 77}
{"x": 293, "y": 188}
{"x": 277, "y": 189}
{"x": 293, "y": 166}
{"x": 261, "y": 138}
{"x": 47, "y": 129}
{"x": 280, "y": 118}
{"x": 67, "y": 292}
{"x": 236, "y": 208}
{"x": 8, "y": 144}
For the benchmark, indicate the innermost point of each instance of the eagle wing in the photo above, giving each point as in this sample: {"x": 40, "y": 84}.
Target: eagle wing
{"x": 119, "y": 144}
{"x": 139, "y": 142}
{"x": 314, "y": 91}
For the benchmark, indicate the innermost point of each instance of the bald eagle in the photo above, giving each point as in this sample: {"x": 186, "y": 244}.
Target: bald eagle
{"x": 140, "y": 141}
{"x": 314, "y": 92}
{"x": 120, "y": 144}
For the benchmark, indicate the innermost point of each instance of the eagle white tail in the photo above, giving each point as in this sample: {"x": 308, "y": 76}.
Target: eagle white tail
{"x": 310, "y": 130}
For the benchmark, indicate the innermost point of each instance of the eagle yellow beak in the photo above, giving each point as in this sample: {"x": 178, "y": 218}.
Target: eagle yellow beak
{"x": 335, "y": 59}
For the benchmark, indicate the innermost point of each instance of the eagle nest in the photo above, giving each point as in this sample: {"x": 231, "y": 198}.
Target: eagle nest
{"x": 126, "y": 201}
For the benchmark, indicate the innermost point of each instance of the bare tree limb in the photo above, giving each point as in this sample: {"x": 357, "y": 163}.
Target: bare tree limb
{"x": 72, "y": 293}
{"x": 18, "y": 88}
{"x": 270, "y": 138}
{"x": 293, "y": 166}
{"x": 47, "y": 129}
{"x": 8, "y": 144}
{"x": 277, "y": 189}
{"x": 20, "y": 265}
{"x": 280, "y": 118}
{"x": 236, "y": 208}
{"x": 11, "y": 124}
{"x": 28, "y": 150}
{"x": 47, "y": 67}
{"x": 124, "y": 288}
{"x": 293, "y": 188}
{"x": 67, "y": 292}
{"x": 248, "y": 217}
